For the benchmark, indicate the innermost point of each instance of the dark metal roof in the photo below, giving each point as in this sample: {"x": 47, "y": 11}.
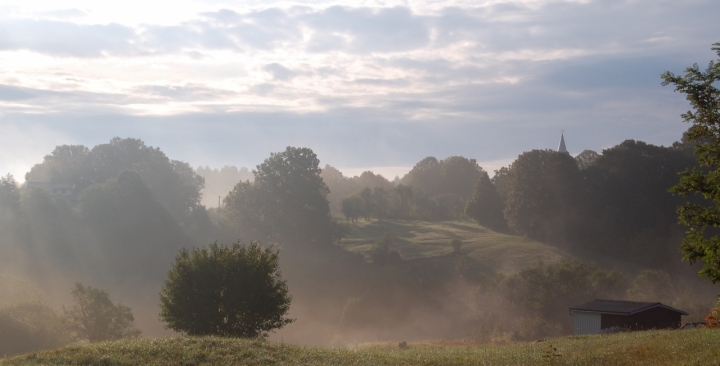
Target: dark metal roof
{"x": 620, "y": 307}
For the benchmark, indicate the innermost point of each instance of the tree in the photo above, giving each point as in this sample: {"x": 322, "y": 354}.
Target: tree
{"x": 700, "y": 89}
{"x": 352, "y": 207}
{"x": 486, "y": 205}
{"x": 425, "y": 175}
{"x": 380, "y": 202}
{"x": 586, "y": 159}
{"x": 456, "y": 175}
{"x": 540, "y": 191}
{"x": 94, "y": 316}
{"x": 228, "y": 291}
{"x": 286, "y": 203}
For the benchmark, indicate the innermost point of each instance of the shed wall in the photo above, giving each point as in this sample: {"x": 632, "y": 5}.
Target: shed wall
{"x": 586, "y": 323}
{"x": 656, "y": 318}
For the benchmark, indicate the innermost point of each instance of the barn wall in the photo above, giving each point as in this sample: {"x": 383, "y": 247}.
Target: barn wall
{"x": 586, "y": 323}
{"x": 656, "y": 318}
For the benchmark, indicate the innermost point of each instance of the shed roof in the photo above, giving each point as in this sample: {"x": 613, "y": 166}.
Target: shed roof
{"x": 620, "y": 307}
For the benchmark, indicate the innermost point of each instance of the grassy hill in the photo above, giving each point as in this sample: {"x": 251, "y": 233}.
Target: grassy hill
{"x": 690, "y": 347}
{"x": 418, "y": 239}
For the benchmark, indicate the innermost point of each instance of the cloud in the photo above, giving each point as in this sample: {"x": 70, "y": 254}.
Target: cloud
{"x": 64, "y": 13}
{"x": 366, "y": 30}
{"x": 62, "y": 38}
{"x": 12, "y": 93}
{"x": 280, "y": 72}
{"x": 363, "y": 85}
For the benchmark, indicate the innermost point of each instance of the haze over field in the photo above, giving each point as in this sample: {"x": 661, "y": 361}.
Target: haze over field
{"x": 388, "y": 171}
{"x": 368, "y": 84}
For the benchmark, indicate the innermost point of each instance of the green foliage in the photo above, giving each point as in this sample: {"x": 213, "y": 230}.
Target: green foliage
{"x": 456, "y": 175}
{"x": 486, "y": 205}
{"x": 286, "y": 203}
{"x": 651, "y": 285}
{"x": 383, "y": 254}
{"x": 545, "y": 292}
{"x": 353, "y": 208}
{"x": 108, "y": 210}
{"x": 586, "y": 159}
{"x": 541, "y": 184}
{"x": 342, "y": 187}
{"x": 30, "y": 326}
{"x": 700, "y": 89}
{"x": 229, "y": 291}
{"x": 448, "y": 206}
{"x": 95, "y": 318}
{"x": 174, "y": 183}
{"x": 340, "y": 230}
{"x": 9, "y": 195}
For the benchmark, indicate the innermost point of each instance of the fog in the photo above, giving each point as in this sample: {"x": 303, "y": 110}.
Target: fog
{"x": 115, "y": 215}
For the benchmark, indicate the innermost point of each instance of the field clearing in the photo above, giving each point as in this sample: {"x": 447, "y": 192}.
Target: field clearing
{"x": 502, "y": 253}
{"x": 689, "y": 347}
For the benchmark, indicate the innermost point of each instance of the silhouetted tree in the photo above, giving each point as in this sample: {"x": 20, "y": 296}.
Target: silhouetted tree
{"x": 542, "y": 186}
{"x": 380, "y": 202}
{"x": 286, "y": 202}
{"x": 229, "y": 291}
{"x": 456, "y": 175}
{"x": 425, "y": 175}
{"x": 486, "y": 205}
{"x": 586, "y": 158}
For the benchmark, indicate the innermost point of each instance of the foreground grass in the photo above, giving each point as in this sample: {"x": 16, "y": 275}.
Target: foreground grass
{"x": 420, "y": 239}
{"x": 691, "y": 347}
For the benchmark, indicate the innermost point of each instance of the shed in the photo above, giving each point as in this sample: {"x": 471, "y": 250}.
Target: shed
{"x": 596, "y": 315}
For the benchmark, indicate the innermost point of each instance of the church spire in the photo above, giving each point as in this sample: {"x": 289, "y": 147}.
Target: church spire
{"x": 561, "y": 147}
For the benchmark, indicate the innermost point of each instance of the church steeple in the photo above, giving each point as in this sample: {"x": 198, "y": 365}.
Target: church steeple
{"x": 561, "y": 147}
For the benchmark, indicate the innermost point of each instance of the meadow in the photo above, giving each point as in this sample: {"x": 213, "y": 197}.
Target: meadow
{"x": 499, "y": 252}
{"x": 668, "y": 347}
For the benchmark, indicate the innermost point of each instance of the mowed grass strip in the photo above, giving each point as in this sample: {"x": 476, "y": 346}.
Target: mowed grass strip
{"x": 691, "y": 347}
{"x": 502, "y": 253}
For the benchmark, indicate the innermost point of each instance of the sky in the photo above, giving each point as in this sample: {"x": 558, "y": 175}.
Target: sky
{"x": 368, "y": 85}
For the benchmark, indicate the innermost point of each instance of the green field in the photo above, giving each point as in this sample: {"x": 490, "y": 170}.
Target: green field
{"x": 502, "y": 253}
{"x": 689, "y": 347}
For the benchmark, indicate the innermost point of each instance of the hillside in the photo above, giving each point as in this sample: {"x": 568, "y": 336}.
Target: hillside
{"x": 502, "y": 253}
{"x": 674, "y": 347}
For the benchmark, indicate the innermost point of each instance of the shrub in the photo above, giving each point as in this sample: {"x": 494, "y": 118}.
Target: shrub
{"x": 229, "y": 291}
{"x": 456, "y": 245}
{"x": 713, "y": 318}
{"x": 27, "y": 327}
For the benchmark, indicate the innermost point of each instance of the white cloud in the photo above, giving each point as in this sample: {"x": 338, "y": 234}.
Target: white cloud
{"x": 448, "y": 75}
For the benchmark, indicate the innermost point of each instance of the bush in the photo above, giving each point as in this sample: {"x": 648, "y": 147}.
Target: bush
{"x": 27, "y": 327}
{"x": 229, "y": 291}
{"x": 456, "y": 245}
{"x": 382, "y": 253}
{"x": 713, "y": 318}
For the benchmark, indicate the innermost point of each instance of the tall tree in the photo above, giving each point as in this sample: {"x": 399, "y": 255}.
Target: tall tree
{"x": 456, "y": 175}
{"x": 287, "y": 201}
{"x": 542, "y": 184}
{"x": 425, "y": 175}
{"x": 486, "y": 205}
{"x": 700, "y": 89}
